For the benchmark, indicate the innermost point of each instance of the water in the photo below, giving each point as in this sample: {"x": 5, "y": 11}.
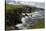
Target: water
{"x": 28, "y": 21}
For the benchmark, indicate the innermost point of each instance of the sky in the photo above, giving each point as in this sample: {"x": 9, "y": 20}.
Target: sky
{"x": 28, "y": 0}
{"x": 31, "y": 0}
{"x": 36, "y": 3}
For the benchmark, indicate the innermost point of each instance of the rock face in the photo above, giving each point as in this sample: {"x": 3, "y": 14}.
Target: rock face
{"x": 29, "y": 21}
{"x": 25, "y": 23}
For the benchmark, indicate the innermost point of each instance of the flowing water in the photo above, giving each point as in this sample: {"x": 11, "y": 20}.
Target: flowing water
{"x": 29, "y": 21}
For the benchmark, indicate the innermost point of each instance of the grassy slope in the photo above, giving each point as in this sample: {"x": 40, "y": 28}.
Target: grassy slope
{"x": 39, "y": 24}
{"x": 10, "y": 8}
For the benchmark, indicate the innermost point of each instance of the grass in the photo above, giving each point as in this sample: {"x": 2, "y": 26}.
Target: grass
{"x": 39, "y": 24}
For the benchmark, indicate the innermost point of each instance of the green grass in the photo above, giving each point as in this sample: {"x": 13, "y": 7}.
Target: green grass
{"x": 39, "y": 24}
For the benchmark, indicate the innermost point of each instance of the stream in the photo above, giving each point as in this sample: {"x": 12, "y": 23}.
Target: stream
{"x": 28, "y": 21}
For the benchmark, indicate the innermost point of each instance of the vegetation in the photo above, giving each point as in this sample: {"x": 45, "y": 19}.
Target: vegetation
{"x": 13, "y": 15}
{"x": 39, "y": 24}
